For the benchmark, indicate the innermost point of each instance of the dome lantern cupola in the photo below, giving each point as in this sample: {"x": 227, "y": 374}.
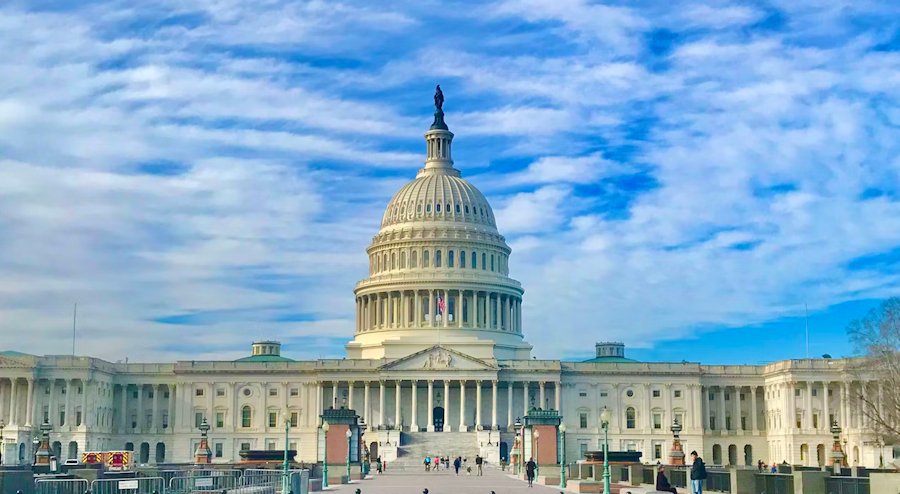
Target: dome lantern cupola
{"x": 438, "y": 158}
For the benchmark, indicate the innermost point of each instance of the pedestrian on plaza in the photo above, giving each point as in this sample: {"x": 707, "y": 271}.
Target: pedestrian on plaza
{"x": 427, "y": 463}
{"x": 698, "y": 473}
{"x": 479, "y": 461}
{"x": 456, "y": 464}
{"x": 774, "y": 468}
{"x": 378, "y": 465}
{"x": 530, "y": 467}
{"x": 662, "y": 483}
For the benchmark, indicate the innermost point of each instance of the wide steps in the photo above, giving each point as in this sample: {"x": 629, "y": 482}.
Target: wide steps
{"x": 415, "y": 446}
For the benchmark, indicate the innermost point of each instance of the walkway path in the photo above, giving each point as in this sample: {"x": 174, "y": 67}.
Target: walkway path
{"x": 442, "y": 482}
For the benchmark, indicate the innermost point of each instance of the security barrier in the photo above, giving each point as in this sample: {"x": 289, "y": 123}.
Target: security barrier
{"x": 137, "y": 485}
{"x": 61, "y": 486}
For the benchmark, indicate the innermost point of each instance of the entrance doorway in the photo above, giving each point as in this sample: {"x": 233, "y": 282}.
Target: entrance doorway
{"x": 437, "y": 416}
{"x": 504, "y": 451}
{"x": 373, "y": 451}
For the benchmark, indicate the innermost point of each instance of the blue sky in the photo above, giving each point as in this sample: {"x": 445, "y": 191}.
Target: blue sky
{"x": 682, "y": 176}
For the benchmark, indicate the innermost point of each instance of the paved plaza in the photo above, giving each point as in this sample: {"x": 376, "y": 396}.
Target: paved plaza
{"x": 442, "y": 482}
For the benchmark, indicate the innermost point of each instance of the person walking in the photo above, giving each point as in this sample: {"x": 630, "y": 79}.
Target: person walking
{"x": 698, "y": 473}
{"x": 662, "y": 482}
{"x": 378, "y": 465}
{"x": 427, "y": 463}
{"x": 530, "y": 467}
{"x": 479, "y": 461}
{"x": 456, "y": 464}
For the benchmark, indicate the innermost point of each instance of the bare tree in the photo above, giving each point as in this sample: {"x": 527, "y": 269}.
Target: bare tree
{"x": 877, "y": 338}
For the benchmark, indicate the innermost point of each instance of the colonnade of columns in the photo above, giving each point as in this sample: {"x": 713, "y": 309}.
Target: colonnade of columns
{"x": 406, "y": 392}
{"x": 724, "y": 410}
{"x": 421, "y": 309}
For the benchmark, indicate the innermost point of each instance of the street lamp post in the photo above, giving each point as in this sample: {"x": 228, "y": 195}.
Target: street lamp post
{"x": 837, "y": 454}
{"x": 203, "y": 454}
{"x": 285, "y": 477}
{"x": 35, "y": 443}
{"x": 520, "y": 432}
{"x": 325, "y": 428}
{"x": 604, "y": 424}
{"x": 562, "y": 457}
{"x": 537, "y": 457}
{"x": 349, "y": 435}
{"x": 364, "y": 461}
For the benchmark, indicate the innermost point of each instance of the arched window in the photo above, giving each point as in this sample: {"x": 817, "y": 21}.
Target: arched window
{"x": 393, "y": 260}
{"x": 492, "y": 262}
{"x": 467, "y": 209}
{"x": 246, "y": 416}
{"x": 474, "y": 259}
{"x": 419, "y": 208}
{"x": 413, "y": 259}
{"x": 437, "y": 258}
{"x": 450, "y": 259}
{"x": 425, "y": 259}
{"x": 448, "y": 208}
{"x": 483, "y": 261}
{"x": 403, "y": 260}
{"x": 717, "y": 454}
{"x": 385, "y": 264}
{"x": 437, "y": 208}
{"x": 462, "y": 258}
{"x": 457, "y": 209}
{"x": 428, "y": 208}
{"x": 629, "y": 418}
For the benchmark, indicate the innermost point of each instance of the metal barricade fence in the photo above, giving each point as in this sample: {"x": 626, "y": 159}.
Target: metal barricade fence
{"x": 847, "y": 485}
{"x": 202, "y": 483}
{"x": 61, "y": 486}
{"x": 137, "y": 485}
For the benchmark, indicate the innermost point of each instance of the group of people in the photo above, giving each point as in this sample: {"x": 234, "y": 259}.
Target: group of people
{"x": 434, "y": 463}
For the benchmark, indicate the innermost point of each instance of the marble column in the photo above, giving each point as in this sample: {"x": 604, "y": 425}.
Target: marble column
{"x": 723, "y": 426}
{"x": 446, "y": 406}
{"x": 381, "y": 414}
{"x": 647, "y": 410}
{"x": 557, "y": 396}
{"x": 366, "y": 408}
{"x": 154, "y": 424}
{"x": 397, "y": 406}
{"x": 509, "y": 404}
{"x": 736, "y": 421}
{"x": 432, "y": 309}
{"x": 825, "y": 423}
{"x": 497, "y": 310}
{"x": 494, "y": 404}
{"x": 414, "y": 425}
{"x": 462, "y": 406}
{"x": 69, "y": 413}
{"x": 445, "y": 315}
{"x": 525, "y": 398}
{"x": 477, "y": 405}
{"x": 542, "y": 395}
{"x": 753, "y": 410}
{"x": 428, "y": 416}
{"x": 13, "y": 397}
{"x": 809, "y": 407}
{"x": 334, "y": 394}
{"x": 29, "y": 407}
{"x": 668, "y": 417}
{"x": 320, "y": 402}
{"x": 350, "y": 395}
{"x": 123, "y": 415}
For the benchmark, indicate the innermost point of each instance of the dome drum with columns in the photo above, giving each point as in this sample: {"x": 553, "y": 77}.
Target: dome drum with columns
{"x": 438, "y": 270}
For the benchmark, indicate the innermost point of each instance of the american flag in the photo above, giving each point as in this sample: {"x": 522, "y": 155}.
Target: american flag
{"x": 441, "y": 305}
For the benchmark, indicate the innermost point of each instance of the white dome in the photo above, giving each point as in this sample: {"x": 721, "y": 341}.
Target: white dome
{"x": 438, "y": 196}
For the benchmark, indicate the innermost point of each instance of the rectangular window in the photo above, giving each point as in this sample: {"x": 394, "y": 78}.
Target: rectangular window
{"x": 245, "y": 446}
{"x": 829, "y": 392}
{"x": 78, "y": 418}
{"x": 220, "y": 391}
{"x": 46, "y": 414}
{"x": 815, "y": 392}
{"x": 270, "y": 446}
{"x": 680, "y": 418}
{"x": 582, "y": 394}
{"x": 742, "y": 397}
{"x": 815, "y": 421}
{"x": 62, "y": 417}
{"x": 796, "y": 392}
{"x": 198, "y": 419}
{"x": 727, "y": 397}
{"x": 657, "y": 451}
{"x": 273, "y": 420}
{"x": 582, "y": 420}
{"x": 273, "y": 391}
{"x": 292, "y": 446}
{"x": 166, "y": 394}
{"x": 149, "y": 393}
{"x": 81, "y": 390}
{"x": 220, "y": 419}
{"x": 743, "y": 422}
{"x": 712, "y": 423}
{"x": 134, "y": 394}
{"x": 727, "y": 423}
{"x": 295, "y": 391}
{"x": 218, "y": 450}
{"x": 165, "y": 421}
{"x": 677, "y": 393}
{"x": 133, "y": 421}
{"x": 149, "y": 420}
{"x": 799, "y": 421}
{"x": 582, "y": 449}
{"x": 604, "y": 394}
{"x": 198, "y": 392}
{"x": 47, "y": 390}
{"x": 712, "y": 396}
{"x": 656, "y": 393}
{"x": 657, "y": 421}
{"x": 295, "y": 418}
{"x": 830, "y": 418}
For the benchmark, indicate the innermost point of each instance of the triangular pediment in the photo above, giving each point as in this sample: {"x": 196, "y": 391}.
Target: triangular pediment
{"x": 438, "y": 358}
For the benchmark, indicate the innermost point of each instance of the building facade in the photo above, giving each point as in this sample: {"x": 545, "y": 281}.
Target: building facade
{"x": 438, "y": 351}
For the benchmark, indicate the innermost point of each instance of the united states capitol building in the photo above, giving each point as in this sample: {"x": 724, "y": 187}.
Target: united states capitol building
{"x": 439, "y": 356}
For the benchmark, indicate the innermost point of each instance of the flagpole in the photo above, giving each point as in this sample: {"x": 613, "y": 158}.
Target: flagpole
{"x": 806, "y": 309}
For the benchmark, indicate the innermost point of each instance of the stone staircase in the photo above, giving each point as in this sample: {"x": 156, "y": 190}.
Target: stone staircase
{"x": 415, "y": 446}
